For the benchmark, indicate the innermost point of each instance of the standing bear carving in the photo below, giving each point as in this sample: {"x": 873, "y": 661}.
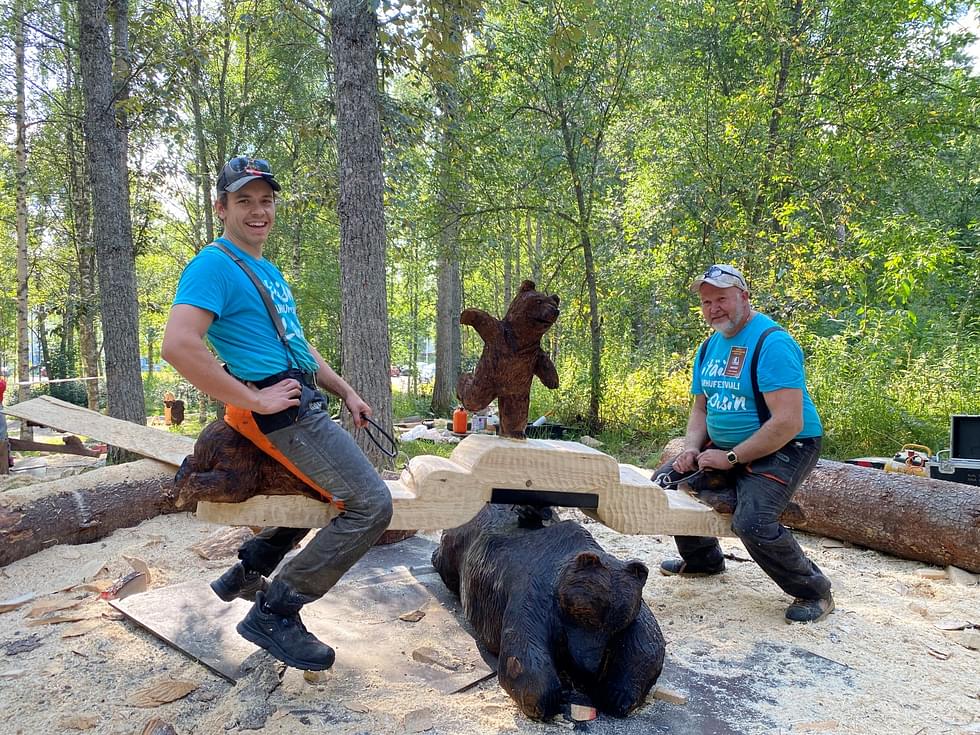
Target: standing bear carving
{"x": 555, "y": 608}
{"x": 511, "y": 357}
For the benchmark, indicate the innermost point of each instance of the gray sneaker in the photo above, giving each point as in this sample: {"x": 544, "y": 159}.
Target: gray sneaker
{"x": 809, "y": 611}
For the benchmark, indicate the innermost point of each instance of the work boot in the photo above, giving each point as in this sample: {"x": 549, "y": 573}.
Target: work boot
{"x": 671, "y": 567}
{"x": 274, "y": 624}
{"x": 239, "y": 581}
{"x": 809, "y": 611}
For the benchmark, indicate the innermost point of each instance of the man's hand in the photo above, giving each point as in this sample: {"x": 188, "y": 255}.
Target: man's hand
{"x": 275, "y": 398}
{"x": 358, "y": 409}
{"x": 714, "y": 459}
{"x": 686, "y": 461}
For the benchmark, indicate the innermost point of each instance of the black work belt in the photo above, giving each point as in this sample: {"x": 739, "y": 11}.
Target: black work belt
{"x": 307, "y": 379}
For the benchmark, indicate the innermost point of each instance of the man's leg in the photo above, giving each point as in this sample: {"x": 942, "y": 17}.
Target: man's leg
{"x": 329, "y": 456}
{"x": 764, "y": 491}
{"x": 258, "y": 557}
{"x": 701, "y": 556}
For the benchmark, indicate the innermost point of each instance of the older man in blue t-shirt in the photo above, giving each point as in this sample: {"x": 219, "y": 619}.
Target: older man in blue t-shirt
{"x": 753, "y": 435}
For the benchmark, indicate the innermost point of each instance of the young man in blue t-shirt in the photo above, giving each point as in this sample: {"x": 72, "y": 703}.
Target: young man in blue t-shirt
{"x": 269, "y": 385}
{"x": 752, "y": 445}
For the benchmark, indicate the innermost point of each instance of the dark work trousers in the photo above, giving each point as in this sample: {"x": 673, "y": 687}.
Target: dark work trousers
{"x": 328, "y": 455}
{"x": 762, "y": 490}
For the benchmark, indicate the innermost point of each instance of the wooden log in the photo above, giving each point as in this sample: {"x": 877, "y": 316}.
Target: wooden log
{"x": 907, "y": 516}
{"x": 82, "y": 508}
{"x": 69, "y": 445}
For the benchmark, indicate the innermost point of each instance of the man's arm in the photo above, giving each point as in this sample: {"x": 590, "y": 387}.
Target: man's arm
{"x": 183, "y": 347}
{"x": 696, "y": 436}
{"x": 328, "y": 379}
{"x": 786, "y": 421}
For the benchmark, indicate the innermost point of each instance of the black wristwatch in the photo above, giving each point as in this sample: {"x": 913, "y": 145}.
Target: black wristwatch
{"x": 732, "y": 458}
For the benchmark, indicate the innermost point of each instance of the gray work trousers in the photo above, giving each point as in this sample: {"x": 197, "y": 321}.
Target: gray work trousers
{"x": 328, "y": 455}
{"x": 760, "y": 492}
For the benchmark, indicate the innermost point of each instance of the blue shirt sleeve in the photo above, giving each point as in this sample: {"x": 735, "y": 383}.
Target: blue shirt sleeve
{"x": 781, "y": 364}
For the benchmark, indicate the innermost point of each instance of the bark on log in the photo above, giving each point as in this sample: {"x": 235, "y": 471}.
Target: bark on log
{"x": 83, "y": 508}
{"x": 911, "y": 517}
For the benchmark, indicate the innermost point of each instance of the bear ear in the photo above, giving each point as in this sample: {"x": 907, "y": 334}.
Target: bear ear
{"x": 587, "y": 560}
{"x": 638, "y": 569}
{"x": 527, "y": 286}
{"x": 557, "y": 300}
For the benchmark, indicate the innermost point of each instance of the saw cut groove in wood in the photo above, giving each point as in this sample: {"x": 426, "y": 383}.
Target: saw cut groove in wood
{"x": 435, "y": 492}
{"x": 142, "y": 440}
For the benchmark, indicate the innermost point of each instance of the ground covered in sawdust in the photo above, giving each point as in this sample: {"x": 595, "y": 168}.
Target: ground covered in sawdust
{"x": 899, "y": 671}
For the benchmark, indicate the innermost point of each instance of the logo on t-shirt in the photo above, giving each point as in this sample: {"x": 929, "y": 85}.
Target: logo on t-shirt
{"x": 736, "y": 359}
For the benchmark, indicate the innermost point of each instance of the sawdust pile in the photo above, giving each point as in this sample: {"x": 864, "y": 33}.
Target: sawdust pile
{"x": 893, "y": 659}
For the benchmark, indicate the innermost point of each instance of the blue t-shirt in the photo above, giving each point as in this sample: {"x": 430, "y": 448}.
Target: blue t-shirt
{"x": 242, "y": 332}
{"x": 724, "y": 378}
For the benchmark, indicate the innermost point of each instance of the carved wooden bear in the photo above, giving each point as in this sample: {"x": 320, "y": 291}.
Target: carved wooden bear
{"x": 512, "y": 356}
{"x": 227, "y": 468}
{"x": 552, "y": 605}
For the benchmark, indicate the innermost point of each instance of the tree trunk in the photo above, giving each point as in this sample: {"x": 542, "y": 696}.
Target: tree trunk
{"x": 81, "y": 216}
{"x": 449, "y": 286}
{"x": 83, "y": 508}
{"x": 932, "y": 521}
{"x": 360, "y": 206}
{"x": 20, "y": 176}
{"x": 112, "y": 228}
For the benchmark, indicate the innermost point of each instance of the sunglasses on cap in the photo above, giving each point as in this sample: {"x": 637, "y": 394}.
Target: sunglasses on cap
{"x": 720, "y": 270}
{"x": 242, "y": 169}
{"x": 246, "y": 165}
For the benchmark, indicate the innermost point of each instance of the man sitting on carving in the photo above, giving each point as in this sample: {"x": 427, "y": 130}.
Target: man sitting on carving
{"x": 229, "y": 293}
{"x": 755, "y": 429}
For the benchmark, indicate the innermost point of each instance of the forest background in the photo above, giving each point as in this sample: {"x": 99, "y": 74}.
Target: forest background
{"x": 606, "y": 149}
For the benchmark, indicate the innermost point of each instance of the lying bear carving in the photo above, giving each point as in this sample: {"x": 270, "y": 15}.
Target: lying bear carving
{"x": 511, "y": 357}
{"x": 553, "y": 605}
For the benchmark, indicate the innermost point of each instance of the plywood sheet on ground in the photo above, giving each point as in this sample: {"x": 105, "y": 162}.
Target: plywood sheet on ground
{"x": 359, "y": 618}
{"x": 143, "y": 440}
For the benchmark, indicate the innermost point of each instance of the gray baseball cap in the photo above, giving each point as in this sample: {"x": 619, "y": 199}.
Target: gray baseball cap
{"x": 722, "y": 276}
{"x": 242, "y": 169}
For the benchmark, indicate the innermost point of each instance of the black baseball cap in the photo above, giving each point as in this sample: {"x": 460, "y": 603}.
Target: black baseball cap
{"x": 242, "y": 169}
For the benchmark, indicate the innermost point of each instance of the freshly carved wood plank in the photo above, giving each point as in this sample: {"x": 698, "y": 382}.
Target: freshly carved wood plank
{"x": 536, "y": 464}
{"x": 143, "y": 440}
{"x": 434, "y": 492}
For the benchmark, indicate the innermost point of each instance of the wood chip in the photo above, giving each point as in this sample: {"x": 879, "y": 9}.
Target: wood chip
{"x": 14, "y": 602}
{"x": 931, "y": 573}
{"x": 222, "y": 544}
{"x": 418, "y": 720}
{"x": 80, "y": 722}
{"x": 316, "y": 677}
{"x": 953, "y": 624}
{"x": 816, "y": 726}
{"x": 81, "y": 628}
{"x": 831, "y": 543}
{"x": 160, "y": 692}
{"x": 412, "y": 617}
{"x": 56, "y": 619}
{"x": 669, "y": 695}
{"x": 12, "y": 673}
{"x": 582, "y": 712}
{"x": 361, "y": 709}
{"x": 434, "y": 657}
{"x": 139, "y": 565}
{"x": 962, "y": 577}
{"x": 92, "y": 570}
{"x": 44, "y": 608}
{"x": 939, "y": 653}
{"x": 966, "y": 638}
{"x": 130, "y": 584}
{"x": 99, "y": 586}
